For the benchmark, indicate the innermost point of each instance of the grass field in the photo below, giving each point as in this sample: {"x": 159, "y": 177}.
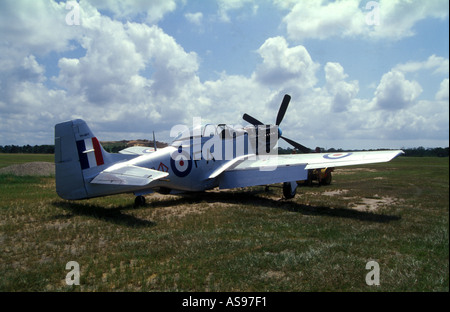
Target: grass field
{"x": 395, "y": 213}
{"x": 12, "y": 159}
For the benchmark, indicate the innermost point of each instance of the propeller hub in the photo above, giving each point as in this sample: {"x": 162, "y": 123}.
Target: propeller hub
{"x": 280, "y": 133}
{"x": 281, "y": 112}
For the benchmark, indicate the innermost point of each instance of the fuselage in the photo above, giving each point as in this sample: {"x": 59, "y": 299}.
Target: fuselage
{"x": 192, "y": 162}
{"x": 195, "y": 154}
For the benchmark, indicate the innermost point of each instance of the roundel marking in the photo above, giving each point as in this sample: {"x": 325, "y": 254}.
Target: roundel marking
{"x": 336, "y": 155}
{"x": 181, "y": 163}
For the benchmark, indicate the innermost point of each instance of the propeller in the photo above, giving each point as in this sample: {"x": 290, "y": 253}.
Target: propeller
{"x": 252, "y": 120}
{"x": 283, "y": 108}
{"x": 281, "y": 112}
{"x": 154, "y": 141}
{"x": 297, "y": 145}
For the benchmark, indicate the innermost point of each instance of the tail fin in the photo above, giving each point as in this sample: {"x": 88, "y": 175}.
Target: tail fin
{"x": 78, "y": 156}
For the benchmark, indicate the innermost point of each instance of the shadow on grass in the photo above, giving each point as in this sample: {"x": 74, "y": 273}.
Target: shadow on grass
{"x": 254, "y": 199}
{"x": 113, "y": 215}
{"x": 248, "y": 197}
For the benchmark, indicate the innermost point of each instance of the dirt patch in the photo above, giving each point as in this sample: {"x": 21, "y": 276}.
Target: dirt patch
{"x": 363, "y": 204}
{"x": 175, "y": 211}
{"x": 38, "y": 168}
{"x": 181, "y": 211}
{"x": 372, "y": 204}
{"x": 334, "y": 193}
{"x": 352, "y": 171}
{"x": 278, "y": 275}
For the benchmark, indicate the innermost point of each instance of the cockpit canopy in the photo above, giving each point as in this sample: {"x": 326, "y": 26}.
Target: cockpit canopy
{"x": 223, "y": 131}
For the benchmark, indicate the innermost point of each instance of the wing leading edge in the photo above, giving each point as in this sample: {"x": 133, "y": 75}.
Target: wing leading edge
{"x": 324, "y": 160}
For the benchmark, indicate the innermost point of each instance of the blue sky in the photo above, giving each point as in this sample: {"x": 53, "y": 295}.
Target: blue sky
{"x": 133, "y": 67}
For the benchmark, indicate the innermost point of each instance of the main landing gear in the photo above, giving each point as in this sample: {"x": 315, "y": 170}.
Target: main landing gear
{"x": 139, "y": 201}
{"x": 289, "y": 189}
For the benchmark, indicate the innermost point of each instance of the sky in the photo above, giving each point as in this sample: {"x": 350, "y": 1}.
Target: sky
{"x": 361, "y": 74}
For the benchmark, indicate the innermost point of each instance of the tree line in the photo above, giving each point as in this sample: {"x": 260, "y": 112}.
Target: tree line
{"x": 50, "y": 149}
{"x": 27, "y": 149}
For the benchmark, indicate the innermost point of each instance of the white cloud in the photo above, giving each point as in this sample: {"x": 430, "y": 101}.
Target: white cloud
{"x": 111, "y": 74}
{"x": 36, "y": 27}
{"x": 422, "y": 120}
{"x": 343, "y": 92}
{"x": 110, "y": 60}
{"x": 395, "y": 19}
{"x": 135, "y": 78}
{"x": 438, "y": 64}
{"x": 316, "y": 19}
{"x": 398, "y": 17}
{"x": 194, "y": 18}
{"x": 130, "y": 72}
{"x": 227, "y": 5}
{"x": 153, "y": 11}
{"x": 283, "y": 64}
{"x": 442, "y": 94}
{"x": 395, "y": 92}
{"x": 29, "y": 63}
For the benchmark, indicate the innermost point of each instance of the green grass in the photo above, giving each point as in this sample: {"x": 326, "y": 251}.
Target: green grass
{"x": 12, "y": 159}
{"x": 240, "y": 240}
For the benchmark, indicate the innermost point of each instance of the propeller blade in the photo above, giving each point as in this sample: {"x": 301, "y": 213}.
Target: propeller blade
{"x": 154, "y": 141}
{"x": 281, "y": 112}
{"x": 252, "y": 120}
{"x": 302, "y": 148}
{"x": 283, "y": 108}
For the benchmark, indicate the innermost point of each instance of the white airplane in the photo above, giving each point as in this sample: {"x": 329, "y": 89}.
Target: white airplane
{"x": 199, "y": 159}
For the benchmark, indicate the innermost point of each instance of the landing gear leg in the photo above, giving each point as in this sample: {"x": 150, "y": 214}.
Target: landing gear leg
{"x": 139, "y": 201}
{"x": 289, "y": 189}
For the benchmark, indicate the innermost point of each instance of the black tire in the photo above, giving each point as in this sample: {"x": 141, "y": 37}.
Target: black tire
{"x": 139, "y": 201}
{"x": 327, "y": 179}
{"x": 288, "y": 194}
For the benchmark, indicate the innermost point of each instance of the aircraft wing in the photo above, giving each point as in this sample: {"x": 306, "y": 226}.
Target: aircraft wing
{"x": 294, "y": 167}
{"x": 328, "y": 160}
{"x": 128, "y": 175}
{"x": 267, "y": 170}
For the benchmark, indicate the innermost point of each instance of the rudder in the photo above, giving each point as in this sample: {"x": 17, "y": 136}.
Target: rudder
{"x": 77, "y": 154}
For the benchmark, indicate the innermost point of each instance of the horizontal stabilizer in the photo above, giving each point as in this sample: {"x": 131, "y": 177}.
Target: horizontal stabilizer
{"x": 128, "y": 175}
{"x": 137, "y": 150}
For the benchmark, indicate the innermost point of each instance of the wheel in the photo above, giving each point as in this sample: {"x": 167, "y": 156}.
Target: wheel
{"x": 139, "y": 201}
{"x": 327, "y": 179}
{"x": 288, "y": 192}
